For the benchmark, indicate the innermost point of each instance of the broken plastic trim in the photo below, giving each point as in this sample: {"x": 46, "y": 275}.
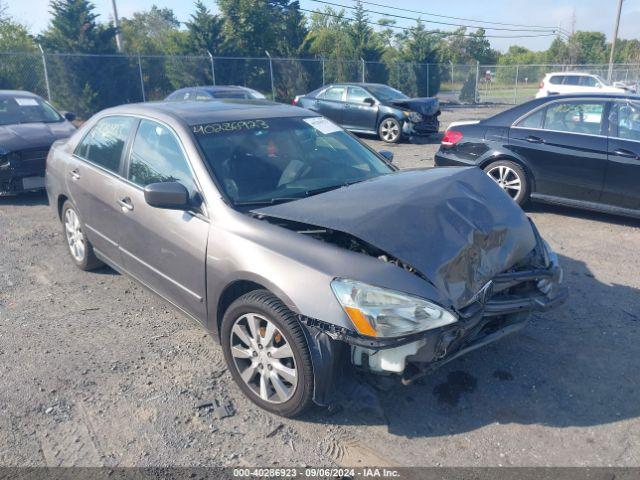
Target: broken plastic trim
{"x": 342, "y": 240}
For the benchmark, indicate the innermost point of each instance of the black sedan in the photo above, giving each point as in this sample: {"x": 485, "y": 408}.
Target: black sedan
{"x": 375, "y": 109}
{"x": 213, "y": 93}
{"x": 28, "y": 127}
{"x": 573, "y": 150}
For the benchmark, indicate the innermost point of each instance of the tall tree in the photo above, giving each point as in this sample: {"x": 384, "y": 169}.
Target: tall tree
{"x": 154, "y": 31}
{"x": 366, "y": 43}
{"x": 204, "y": 30}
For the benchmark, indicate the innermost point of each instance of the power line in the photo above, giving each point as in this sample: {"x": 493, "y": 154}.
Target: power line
{"x": 553, "y": 30}
{"x": 419, "y": 12}
{"x": 429, "y": 32}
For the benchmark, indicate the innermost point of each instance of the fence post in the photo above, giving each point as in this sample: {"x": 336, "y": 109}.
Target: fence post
{"x": 144, "y": 99}
{"x": 428, "y": 89}
{"x": 322, "y": 70}
{"x": 213, "y": 68}
{"x": 46, "y": 73}
{"x": 451, "y": 75}
{"x": 273, "y": 90}
{"x": 515, "y": 92}
{"x": 363, "y": 67}
{"x": 476, "y": 95}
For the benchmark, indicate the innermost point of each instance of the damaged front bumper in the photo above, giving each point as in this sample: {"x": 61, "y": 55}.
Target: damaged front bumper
{"x": 428, "y": 125}
{"x": 22, "y": 171}
{"x": 503, "y": 309}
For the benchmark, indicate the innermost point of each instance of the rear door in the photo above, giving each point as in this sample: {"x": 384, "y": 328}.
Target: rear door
{"x": 565, "y": 147}
{"x": 330, "y": 103}
{"x": 92, "y": 179}
{"x": 165, "y": 249}
{"x": 622, "y": 180}
{"x": 359, "y": 115}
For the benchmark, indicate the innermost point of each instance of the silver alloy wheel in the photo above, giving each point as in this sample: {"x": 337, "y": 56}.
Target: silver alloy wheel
{"x": 389, "y": 130}
{"x": 263, "y": 357}
{"x": 507, "y": 178}
{"x": 75, "y": 237}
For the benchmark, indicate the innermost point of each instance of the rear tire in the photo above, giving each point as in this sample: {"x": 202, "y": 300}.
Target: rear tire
{"x": 267, "y": 354}
{"x": 78, "y": 246}
{"x": 512, "y": 178}
{"x": 390, "y": 130}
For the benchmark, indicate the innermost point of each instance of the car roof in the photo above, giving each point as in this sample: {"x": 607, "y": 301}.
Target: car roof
{"x": 224, "y": 110}
{"x": 581, "y": 74}
{"x": 214, "y": 88}
{"x": 356, "y": 84}
{"x": 15, "y": 93}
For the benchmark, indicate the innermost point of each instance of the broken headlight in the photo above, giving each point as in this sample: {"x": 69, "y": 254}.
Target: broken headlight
{"x": 378, "y": 312}
{"x": 414, "y": 117}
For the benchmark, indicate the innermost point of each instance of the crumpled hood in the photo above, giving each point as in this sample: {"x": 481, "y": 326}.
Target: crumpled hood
{"x": 454, "y": 225}
{"x": 33, "y": 135}
{"x": 424, "y": 105}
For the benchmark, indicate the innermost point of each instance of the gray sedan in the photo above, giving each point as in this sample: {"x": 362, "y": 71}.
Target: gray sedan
{"x": 304, "y": 252}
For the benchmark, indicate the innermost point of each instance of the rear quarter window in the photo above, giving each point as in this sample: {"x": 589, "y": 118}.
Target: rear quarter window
{"x": 556, "y": 79}
{"x": 532, "y": 120}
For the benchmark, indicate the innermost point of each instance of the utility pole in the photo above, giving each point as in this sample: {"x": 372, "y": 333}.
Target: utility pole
{"x": 273, "y": 89}
{"x": 116, "y": 23}
{"x": 613, "y": 41}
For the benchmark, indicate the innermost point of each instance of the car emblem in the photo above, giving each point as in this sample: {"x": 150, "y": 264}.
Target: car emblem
{"x": 485, "y": 293}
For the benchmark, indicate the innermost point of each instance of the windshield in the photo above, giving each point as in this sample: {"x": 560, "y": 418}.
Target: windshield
{"x": 385, "y": 93}
{"x": 25, "y": 109}
{"x": 265, "y": 161}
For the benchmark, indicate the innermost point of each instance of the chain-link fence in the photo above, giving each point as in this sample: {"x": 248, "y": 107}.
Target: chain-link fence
{"x": 87, "y": 83}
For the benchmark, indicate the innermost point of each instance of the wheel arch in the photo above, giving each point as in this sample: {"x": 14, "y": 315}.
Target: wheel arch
{"x": 61, "y": 199}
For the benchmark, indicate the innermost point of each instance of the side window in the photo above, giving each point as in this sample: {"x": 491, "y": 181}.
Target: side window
{"x": 533, "y": 120}
{"x": 333, "y": 93}
{"x": 202, "y": 96}
{"x": 156, "y": 157}
{"x": 357, "y": 95}
{"x": 575, "y": 117}
{"x": 556, "y": 79}
{"x": 628, "y": 121}
{"x": 571, "y": 80}
{"x": 588, "y": 82}
{"x": 187, "y": 95}
{"x": 103, "y": 145}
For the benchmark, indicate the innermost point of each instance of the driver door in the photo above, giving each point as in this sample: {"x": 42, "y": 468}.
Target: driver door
{"x": 359, "y": 115}
{"x": 164, "y": 249}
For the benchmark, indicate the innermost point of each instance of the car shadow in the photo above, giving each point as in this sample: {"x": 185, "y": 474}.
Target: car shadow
{"x": 26, "y": 199}
{"x": 538, "y": 207}
{"x": 575, "y": 366}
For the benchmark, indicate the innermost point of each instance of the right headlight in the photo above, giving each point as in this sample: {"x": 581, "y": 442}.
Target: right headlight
{"x": 379, "y": 312}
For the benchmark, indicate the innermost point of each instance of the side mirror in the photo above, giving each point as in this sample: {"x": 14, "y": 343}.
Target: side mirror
{"x": 387, "y": 154}
{"x": 369, "y": 101}
{"x": 169, "y": 195}
{"x": 69, "y": 116}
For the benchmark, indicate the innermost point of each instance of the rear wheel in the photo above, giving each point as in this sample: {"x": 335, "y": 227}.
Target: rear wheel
{"x": 267, "y": 354}
{"x": 80, "y": 248}
{"x": 390, "y": 130}
{"x": 511, "y": 177}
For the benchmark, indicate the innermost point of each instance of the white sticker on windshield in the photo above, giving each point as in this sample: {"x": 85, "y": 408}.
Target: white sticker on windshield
{"x": 322, "y": 124}
{"x": 27, "y": 102}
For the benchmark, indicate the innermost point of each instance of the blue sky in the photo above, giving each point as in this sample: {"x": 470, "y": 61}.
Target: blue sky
{"x": 589, "y": 14}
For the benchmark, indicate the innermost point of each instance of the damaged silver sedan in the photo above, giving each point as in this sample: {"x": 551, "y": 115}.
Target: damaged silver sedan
{"x": 304, "y": 252}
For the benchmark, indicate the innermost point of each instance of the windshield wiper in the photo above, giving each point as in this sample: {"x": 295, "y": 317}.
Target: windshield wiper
{"x": 317, "y": 191}
{"x": 268, "y": 201}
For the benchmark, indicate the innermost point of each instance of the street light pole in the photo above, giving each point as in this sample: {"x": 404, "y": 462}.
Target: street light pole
{"x": 116, "y": 23}
{"x": 613, "y": 41}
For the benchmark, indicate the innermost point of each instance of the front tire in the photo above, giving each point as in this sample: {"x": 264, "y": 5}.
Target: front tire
{"x": 79, "y": 247}
{"x": 390, "y": 130}
{"x": 267, "y": 354}
{"x": 512, "y": 178}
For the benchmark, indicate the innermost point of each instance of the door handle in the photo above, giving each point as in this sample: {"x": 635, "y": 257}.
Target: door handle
{"x": 75, "y": 174}
{"x": 534, "y": 139}
{"x": 621, "y": 152}
{"x": 126, "y": 204}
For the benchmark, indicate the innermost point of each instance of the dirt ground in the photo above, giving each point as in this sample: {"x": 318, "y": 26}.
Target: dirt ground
{"x": 95, "y": 370}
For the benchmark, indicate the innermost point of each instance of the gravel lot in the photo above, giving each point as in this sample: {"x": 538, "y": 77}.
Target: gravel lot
{"x": 95, "y": 370}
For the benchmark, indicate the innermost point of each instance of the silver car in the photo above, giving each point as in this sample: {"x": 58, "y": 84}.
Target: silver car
{"x": 304, "y": 252}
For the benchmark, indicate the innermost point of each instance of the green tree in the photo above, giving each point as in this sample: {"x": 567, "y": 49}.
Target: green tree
{"x": 366, "y": 43}
{"x": 152, "y": 32}
{"x": 18, "y": 72}
{"x": 418, "y": 45}
{"x": 204, "y": 30}
{"x": 588, "y": 47}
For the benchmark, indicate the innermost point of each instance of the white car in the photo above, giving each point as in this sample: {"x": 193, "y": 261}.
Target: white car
{"x": 574, "y": 82}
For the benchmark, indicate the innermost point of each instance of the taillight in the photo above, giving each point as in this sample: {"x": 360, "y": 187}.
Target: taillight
{"x": 541, "y": 86}
{"x": 296, "y": 99}
{"x": 451, "y": 137}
